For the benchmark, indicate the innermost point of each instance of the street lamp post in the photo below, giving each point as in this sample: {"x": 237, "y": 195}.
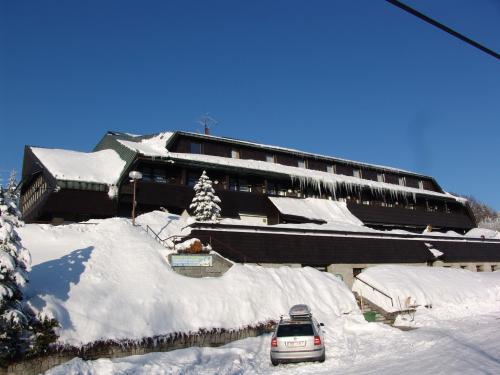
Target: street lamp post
{"x": 134, "y": 177}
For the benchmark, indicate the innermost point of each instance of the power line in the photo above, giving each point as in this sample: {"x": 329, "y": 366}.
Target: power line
{"x": 439, "y": 25}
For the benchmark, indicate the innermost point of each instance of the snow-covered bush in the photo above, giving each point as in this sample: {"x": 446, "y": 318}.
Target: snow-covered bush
{"x": 205, "y": 203}
{"x": 21, "y": 332}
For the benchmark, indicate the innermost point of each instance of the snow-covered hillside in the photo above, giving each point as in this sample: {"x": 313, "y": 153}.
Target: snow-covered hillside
{"x": 106, "y": 279}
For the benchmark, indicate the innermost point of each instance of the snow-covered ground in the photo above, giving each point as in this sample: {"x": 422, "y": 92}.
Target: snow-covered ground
{"x": 459, "y": 346}
{"x": 106, "y": 279}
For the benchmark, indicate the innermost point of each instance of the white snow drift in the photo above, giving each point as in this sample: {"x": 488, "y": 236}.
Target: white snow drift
{"x": 450, "y": 288}
{"x": 106, "y": 279}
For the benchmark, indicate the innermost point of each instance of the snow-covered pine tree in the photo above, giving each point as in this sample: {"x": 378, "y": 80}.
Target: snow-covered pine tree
{"x": 205, "y": 203}
{"x": 11, "y": 187}
{"x": 21, "y": 332}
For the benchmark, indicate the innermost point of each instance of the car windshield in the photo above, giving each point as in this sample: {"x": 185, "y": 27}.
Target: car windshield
{"x": 295, "y": 330}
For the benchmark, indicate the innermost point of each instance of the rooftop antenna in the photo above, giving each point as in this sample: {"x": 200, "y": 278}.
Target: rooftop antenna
{"x": 207, "y": 122}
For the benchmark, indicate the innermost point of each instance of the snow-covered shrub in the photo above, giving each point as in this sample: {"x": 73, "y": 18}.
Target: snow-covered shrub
{"x": 205, "y": 203}
{"x": 20, "y": 330}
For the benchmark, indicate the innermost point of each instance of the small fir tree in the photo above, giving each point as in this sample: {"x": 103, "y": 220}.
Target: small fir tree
{"x": 205, "y": 203}
{"x": 21, "y": 332}
{"x": 11, "y": 188}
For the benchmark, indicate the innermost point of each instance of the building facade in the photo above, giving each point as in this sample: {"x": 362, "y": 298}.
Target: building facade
{"x": 264, "y": 187}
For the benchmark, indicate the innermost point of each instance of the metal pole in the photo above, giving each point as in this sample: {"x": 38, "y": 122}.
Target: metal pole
{"x": 133, "y": 204}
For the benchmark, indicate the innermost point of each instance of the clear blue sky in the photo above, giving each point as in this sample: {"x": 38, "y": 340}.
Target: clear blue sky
{"x": 356, "y": 79}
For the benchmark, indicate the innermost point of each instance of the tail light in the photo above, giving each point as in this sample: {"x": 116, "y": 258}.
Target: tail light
{"x": 317, "y": 340}
{"x": 274, "y": 342}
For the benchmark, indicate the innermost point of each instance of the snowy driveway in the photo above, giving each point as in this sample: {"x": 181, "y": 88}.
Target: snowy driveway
{"x": 467, "y": 346}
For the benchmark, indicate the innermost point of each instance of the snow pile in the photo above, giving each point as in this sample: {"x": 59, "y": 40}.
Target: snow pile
{"x": 483, "y": 232}
{"x": 448, "y": 288}
{"x": 103, "y": 167}
{"x": 154, "y": 146}
{"x": 107, "y": 279}
{"x": 316, "y": 209}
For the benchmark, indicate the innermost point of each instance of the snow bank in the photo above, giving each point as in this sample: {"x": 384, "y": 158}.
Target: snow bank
{"x": 107, "y": 279}
{"x": 483, "y": 232}
{"x": 102, "y": 167}
{"x": 438, "y": 287}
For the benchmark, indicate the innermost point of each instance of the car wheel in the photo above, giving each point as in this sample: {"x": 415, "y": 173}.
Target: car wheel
{"x": 322, "y": 358}
{"x": 274, "y": 362}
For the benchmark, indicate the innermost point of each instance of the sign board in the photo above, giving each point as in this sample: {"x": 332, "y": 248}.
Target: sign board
{"x": 191, "y": 261}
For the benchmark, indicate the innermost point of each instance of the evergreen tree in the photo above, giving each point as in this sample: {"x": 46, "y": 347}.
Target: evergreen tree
{"x": 21, "y": 332}
{"x": 11, "y": 187}
{"x": 205, "y": 203}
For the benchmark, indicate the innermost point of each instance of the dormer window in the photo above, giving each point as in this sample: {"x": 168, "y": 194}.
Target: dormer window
{"x": 402, "y": 181}
{"x": 330, "y": 168}
{"x": 235, "y": 154}
{"x": 356, "y": 173}
{"x": 301, "y": 163}
{"x": 380, "y": 177}
{"x": 421, "y": 185}
{"x": 270, "y": 158}
{"x": 195, "y": 148}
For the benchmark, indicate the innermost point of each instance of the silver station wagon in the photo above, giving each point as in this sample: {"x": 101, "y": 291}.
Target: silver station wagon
{"x": 298, "y": 339}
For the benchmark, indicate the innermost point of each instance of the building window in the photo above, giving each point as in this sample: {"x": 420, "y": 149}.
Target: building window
{"x": 494, "y": 267}
{"x": 402, "y": 181}
{"x": 356, "y": 173}
{"x": 380, "y": 177}
{"x": 301, "y": 163}
{"x": 233, "y": 184}
{"x": 421, "y": 184}
{"x": 235, "y": 154}
{"x": 159, "y": 175}
{"x": 330, "y": 168}
{"x": 195, "y": 148}
{"x": 479, "y": 268}
{"x": 244, "y": 185}
{"x": 271, "y": 189}
{"x": 270, "y": 158}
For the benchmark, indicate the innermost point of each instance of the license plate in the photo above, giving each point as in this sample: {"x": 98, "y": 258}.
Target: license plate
{"x": 295, "y": 344}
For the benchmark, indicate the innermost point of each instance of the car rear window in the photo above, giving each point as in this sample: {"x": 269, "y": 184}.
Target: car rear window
{"x": 295, "y": 330}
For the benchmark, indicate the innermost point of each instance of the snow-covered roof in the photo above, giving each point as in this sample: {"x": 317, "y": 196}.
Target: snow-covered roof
{"x": 103, "y": 167}
{"x": 316, "y": 209}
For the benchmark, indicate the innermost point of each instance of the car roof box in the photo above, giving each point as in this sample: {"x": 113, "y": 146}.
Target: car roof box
{"x": 300, "y": 312}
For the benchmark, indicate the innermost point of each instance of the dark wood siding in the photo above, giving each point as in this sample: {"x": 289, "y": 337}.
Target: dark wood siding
{"x": 429, "y": 185}
{"x": 248, "y": 153}
{"x": 460, "y": 251}
{"x": 402, "y": 216}
{"x": 77, "y": 205}
{"x": 369, "y": 174}
{"x": 344, "y": 169}
{"x": 216, "y": 149}
{"x": 287, "y": 160}
{"x": 412, "y": 181}
{"x": 391, "y": 178}
{"x": 181, "y": 145}
{"x": 259, "y": 247}
{"x": 317, "y": 165}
